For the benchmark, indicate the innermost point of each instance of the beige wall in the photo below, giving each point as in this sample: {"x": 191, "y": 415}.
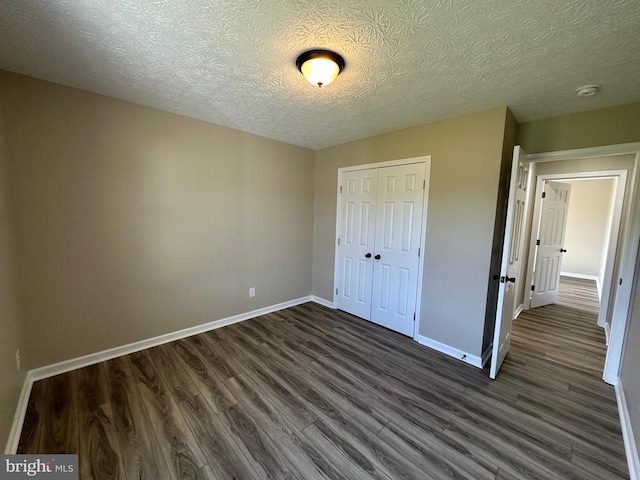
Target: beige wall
{"x": 465, "y": 175}
{"x": 131, "y": 222}
{"x": 588, "y": 219}
{"x": 11, "y": 331}
{"x": 607, "y": 126}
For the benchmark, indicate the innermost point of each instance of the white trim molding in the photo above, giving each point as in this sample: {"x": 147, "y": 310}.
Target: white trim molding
{"x": 518, "y": 311}
{"x": 624, "y": 282}
{"x": 453, "y": 352}
{"x": 600, "y": 151}
{"x": 627, "y": 433}
{"x": 324, "y": 302}
{"x": 93, "y": 358}
{"x": 18, "y": 417}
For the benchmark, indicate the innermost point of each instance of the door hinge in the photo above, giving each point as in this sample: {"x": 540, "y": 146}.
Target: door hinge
{"x": 340, "y": 188}
{"x": 544, "y": 194}
{"x": 424, "y": 184}
{"x": 418, "y": 252}
{"x": 538, "y": 242}
{"x": 620, "y": 282}
{"x": 533, "y": 288}
{"x": 336, "y": 291}
{"x": 338, "y": 240}
{"x": 414, "y": 316}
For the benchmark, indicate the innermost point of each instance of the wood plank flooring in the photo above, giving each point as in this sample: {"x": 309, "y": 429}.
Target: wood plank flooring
{"x": 313, "y": 393}
{"x": 578, "y": 294}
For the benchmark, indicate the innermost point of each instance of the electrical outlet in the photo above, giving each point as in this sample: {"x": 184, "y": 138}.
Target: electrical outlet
{"x": 252, "y": 292}
{"x": 18, "y": 360}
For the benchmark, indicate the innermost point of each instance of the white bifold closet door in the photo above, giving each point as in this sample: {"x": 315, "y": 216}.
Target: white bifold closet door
{"x": 379, "y": 244}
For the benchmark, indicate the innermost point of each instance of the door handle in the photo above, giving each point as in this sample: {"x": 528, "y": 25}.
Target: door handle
{"x": 562, "y": 250}
{"x": 377, "y": 257}
{"x": 368, "y": 255}
{"x": 507, "y": 278}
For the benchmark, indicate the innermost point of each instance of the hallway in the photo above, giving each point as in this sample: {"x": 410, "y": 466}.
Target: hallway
{"x": 556, "y": 363}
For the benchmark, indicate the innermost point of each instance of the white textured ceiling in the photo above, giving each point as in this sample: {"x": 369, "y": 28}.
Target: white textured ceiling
{"x": 409, "y": 62}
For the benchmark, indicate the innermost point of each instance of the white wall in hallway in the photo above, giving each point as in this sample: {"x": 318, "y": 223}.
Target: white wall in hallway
{"x": 588, "y": 227}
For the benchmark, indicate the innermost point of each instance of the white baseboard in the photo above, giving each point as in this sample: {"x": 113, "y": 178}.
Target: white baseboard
{"x": 518, "y": 311}
{"x": 92, "y": 358}
{"x": 579, "y": 275}
{"x": 323, "y": 302}
{"x": 627, "y": 434}
{"x": 86, "y": 360}
{"x": 18, "y": 417}
{"x": 451, "y": 351}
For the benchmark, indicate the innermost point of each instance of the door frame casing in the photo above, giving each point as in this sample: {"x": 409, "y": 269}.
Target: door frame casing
{"x": 630, "y": 240}
{"x": 426, "y": 160}
{"x": 620, "y": 316}
{"x": 616, "y": 219}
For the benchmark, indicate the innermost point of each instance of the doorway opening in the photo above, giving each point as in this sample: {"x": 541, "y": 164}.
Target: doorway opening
{"x": 622, "y": 238}
{"x": 538, "y": 272}
{"x": 579, "y": 238}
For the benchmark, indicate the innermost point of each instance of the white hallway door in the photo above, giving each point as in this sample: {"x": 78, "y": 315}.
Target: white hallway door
{"x": 510, "y": 273}
{"x": 551, "y": 235}
{"x": 379, "y": 244}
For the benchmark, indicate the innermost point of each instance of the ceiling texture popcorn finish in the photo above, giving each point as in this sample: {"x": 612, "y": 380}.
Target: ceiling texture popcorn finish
{"x": 409, "y": 62}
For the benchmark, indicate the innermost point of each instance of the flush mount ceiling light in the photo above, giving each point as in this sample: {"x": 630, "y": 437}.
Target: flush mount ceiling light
{"x": 588, "y": 90}
{"x": 320, "y": 67}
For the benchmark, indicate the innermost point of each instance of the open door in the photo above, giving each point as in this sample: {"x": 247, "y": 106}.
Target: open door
{"x": 553, "y": 226}
{"x": 511, "y": 253}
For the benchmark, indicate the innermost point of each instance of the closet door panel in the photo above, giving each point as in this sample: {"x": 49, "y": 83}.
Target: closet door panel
{"x": 395, "y": 268}
{"x": 358, "y": 208}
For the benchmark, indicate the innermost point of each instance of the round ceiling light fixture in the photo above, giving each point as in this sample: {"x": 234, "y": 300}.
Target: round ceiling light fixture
{"x": 320, "y": 67}
{"x": 588, "y": 90}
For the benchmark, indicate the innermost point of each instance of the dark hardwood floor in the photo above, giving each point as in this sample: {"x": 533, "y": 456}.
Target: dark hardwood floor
{"x": 313, "y": 393}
